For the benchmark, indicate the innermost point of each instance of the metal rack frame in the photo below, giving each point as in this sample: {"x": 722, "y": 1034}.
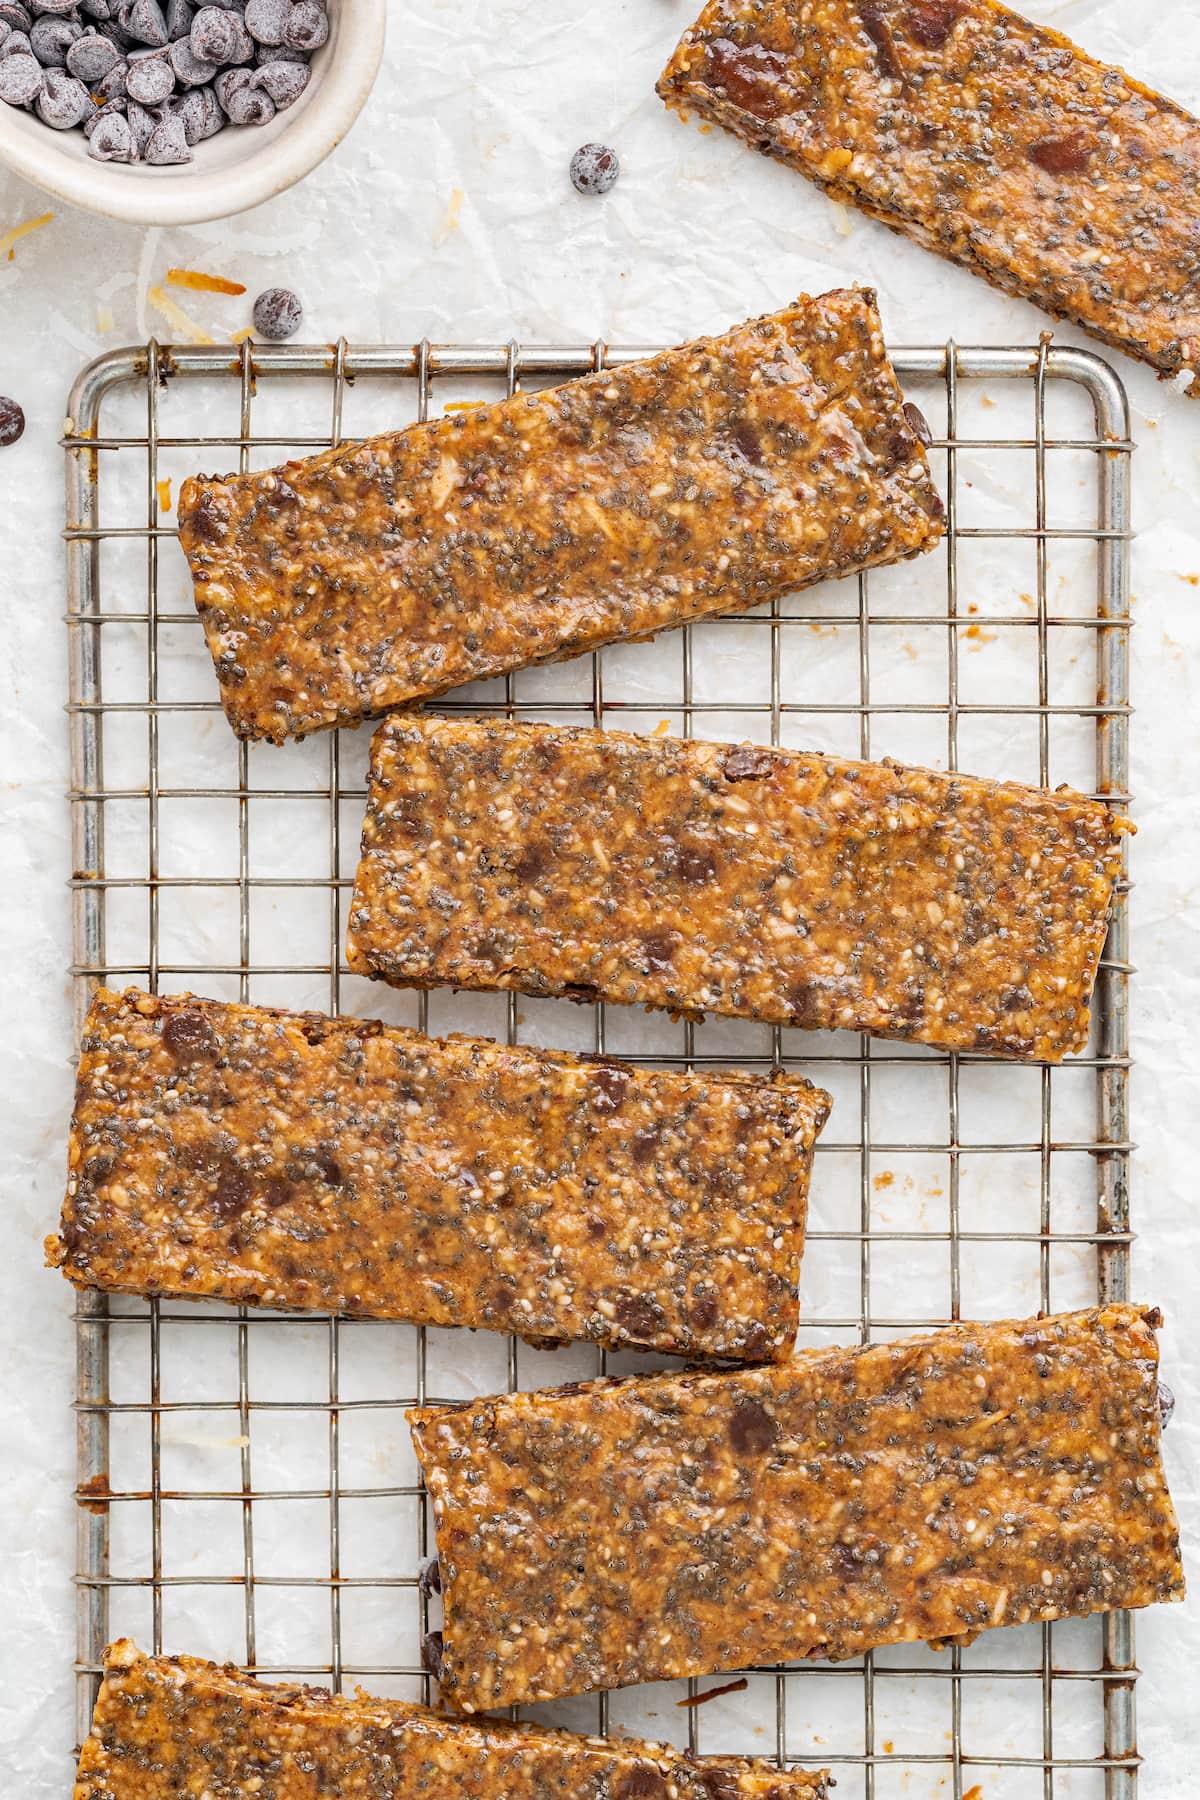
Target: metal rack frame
{"x": 331, "y": 369}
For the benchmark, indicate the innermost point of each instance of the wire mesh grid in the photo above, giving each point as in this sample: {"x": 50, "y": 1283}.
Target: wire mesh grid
{"x": 246, "y": 1489}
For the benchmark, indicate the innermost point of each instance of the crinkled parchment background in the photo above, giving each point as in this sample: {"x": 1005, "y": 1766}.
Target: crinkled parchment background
{"x": 447, "y": 213}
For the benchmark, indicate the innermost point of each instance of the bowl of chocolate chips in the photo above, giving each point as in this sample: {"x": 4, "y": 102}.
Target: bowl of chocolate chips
{"x": 167, "y": 112}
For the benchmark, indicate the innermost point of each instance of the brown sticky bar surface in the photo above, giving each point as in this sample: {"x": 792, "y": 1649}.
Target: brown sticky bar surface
{"x": 672, "y": 1525}
{"x": 288, "y": 1159}
{"x": 991, "y": 141}
{"x": 706, "y": 479}
{"x": 166, "y": 1726}
{"x": 765, "y": 884}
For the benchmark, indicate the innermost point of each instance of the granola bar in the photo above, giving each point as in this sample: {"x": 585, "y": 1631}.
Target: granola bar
{"x": 989, "y": 140}
{"x": 293, "y": 1160}
{"x": 166, "y": 1726}
{"x": 706, "y": 479}
{"x": 761, "y": 883}
{"x": 672, "y": 1525}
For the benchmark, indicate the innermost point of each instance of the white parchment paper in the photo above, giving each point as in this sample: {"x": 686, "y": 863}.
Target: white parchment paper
{"x": 447, "y": 213}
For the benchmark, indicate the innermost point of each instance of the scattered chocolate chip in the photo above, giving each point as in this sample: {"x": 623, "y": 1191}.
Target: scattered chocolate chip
{"x": 429, "y": 1580}
{"x": 12, "y": 421}
{"x": 594, "y": 169}
{"x": 277, "y": 313}
{"x": 1166, "y": 1405}
{"x": 752, "y": 1430}
{"x": 757, "y": 1341}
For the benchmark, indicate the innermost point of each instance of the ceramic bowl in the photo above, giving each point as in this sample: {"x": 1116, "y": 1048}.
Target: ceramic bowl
{"x": 240, "y": 167}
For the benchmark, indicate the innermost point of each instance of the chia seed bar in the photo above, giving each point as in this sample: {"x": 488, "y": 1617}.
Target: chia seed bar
{"x": 166, "y": 1726}
{"x": 292, "y": 1160}
{"x": 760, "y": 883}
{"x": 989, "y": 140}
{"x": 669, "y": 1525}
{"x": 706, "y": 479}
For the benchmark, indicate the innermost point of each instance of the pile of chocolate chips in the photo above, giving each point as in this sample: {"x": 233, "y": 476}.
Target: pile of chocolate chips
{"x": 148, "y": 79}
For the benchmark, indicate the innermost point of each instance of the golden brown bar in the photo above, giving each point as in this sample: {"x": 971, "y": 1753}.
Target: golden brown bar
{"x": 167, "y": 1726}
{"x": 989, "y": 140}
{"x": 675, "y": 1525}
{"x": 706, "y": 479}
{"x": 761, "y": 883}
{"x": 289, "y": 1159}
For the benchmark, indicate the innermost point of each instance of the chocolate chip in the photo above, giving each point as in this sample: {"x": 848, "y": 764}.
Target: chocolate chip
{"x": 611, "y": 1086}
{"x": 645, "y": 1143}
{"x": 596, "y": 1227}
{"x": 918, "y": 423}
{"x": 1166, "y": 1405}
{"x": 703, "y": 1312}
{"x": 530, "y": 864}
{"x": 639, "y": 1317}
{"x": 930, "y": 22}
{"x": 276, "y": 1192}
{"x": 757, "y": 1341}
{"x": 1068, "y": 155}
{"x": 750, "y": 74}
{"x": 752, "y": 1430}
{"x": 746, "y": 763}
{"x": 189, "y": 1037}
{"x": 233, "y": 1194}
{"x": 502, "y": 1300}
{"x": 429, "y": 1579}
{"x": 878, "y": 28}
{"x": 433, "y": 1653}
{"x": 658, "y": 948}
{"x": 720, "y": 1784}
{"x": 331, "y": 1172}
{"x": 694, "y": 865}
{"x": 204, "y": 521}
{"x": 746, "y": 442}
{"x": 643, "y": 1782}
{"x": 12, "y": 421}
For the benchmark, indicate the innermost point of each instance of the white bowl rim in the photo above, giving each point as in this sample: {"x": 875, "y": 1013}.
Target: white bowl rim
{"x": 189, "y": 196}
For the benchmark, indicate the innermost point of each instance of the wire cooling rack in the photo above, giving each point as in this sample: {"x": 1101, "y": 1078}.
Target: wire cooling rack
{"x": 246, "y": 1488}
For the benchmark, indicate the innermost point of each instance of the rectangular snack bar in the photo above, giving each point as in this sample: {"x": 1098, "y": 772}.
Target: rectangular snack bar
{"x": 673, "y": 1525}
{"x": 293, "y": 1160}
{"x": 760, "y": 883}
{"x": 705, "y": 479}
{"x": 167, "y": 1726}
{"x": 989, "y": 140}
